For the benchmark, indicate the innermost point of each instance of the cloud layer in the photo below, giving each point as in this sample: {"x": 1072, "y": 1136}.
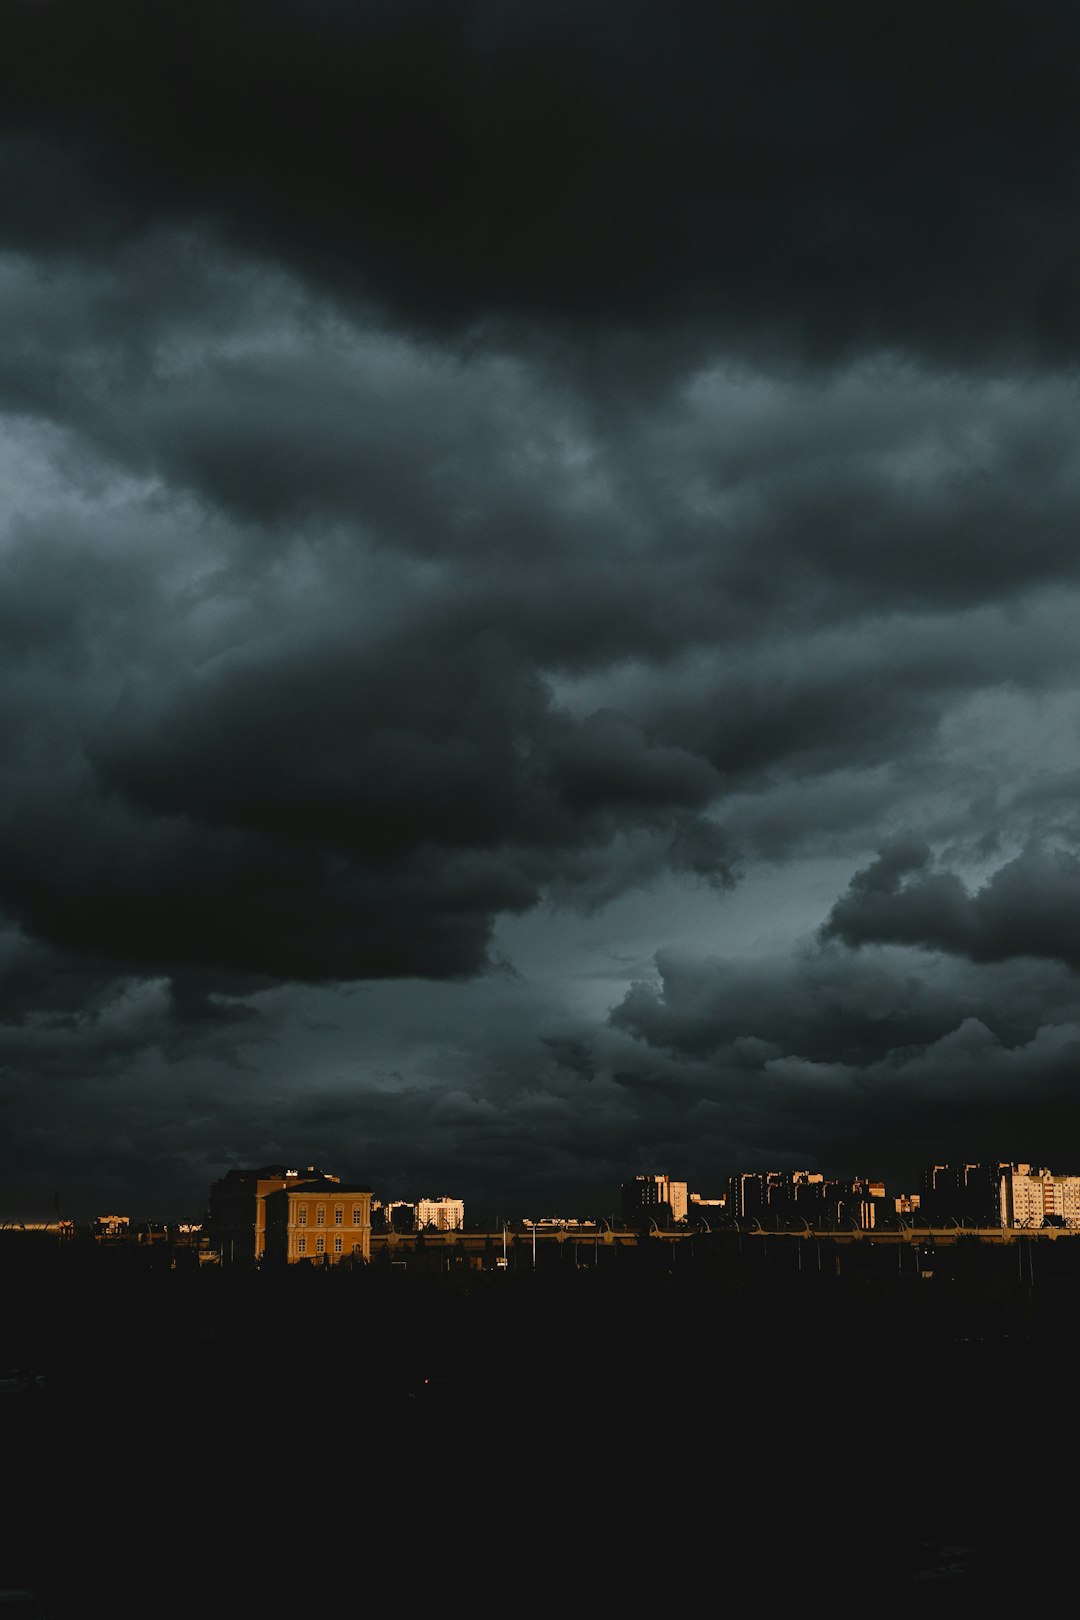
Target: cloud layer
{"x": 468, "y": 467}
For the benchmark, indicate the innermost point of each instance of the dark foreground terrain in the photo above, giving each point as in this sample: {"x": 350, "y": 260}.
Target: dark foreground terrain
{"x": 728, "y": 1442}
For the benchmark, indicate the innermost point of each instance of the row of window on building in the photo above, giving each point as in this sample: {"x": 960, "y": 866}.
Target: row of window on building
{"x": 303, "y": 1210}
{"x": 337, "y": 1246}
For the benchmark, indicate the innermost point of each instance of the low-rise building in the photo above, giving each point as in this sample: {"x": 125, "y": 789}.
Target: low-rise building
{"x": 237, "y": 1208}
{"x": 321, "y": 1220}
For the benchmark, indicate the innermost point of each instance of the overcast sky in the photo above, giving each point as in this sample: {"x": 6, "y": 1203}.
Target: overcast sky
{"x": 539, "y": 582}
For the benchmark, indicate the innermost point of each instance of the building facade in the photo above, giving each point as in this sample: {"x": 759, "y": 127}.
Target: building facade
{"x": 777, "y": 1197}
{"x": 444, "y": 1214}
{"x": 1030, "y": 1195}
{"x": 962, "y": 1192}
{"x": 656, "y": 1197}
{"x": 238, "y": 1209}
{"x": 322, "y": 1221}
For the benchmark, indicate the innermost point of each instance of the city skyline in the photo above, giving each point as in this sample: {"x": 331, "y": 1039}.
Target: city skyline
{"x": 539, "y": 577}
{"x": 938, "y": 1188}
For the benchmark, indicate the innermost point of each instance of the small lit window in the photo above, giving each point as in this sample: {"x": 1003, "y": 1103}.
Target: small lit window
{"x": 339, "y": 1215}
{"x": 301, "y": 1245}
{"x": 301, "y": 1215}
{"x": 320, "y": 1215}
{"x": 356, "y": 1215}
{"x": 320, "y": 1245}
{"x": 337, "y": 1245}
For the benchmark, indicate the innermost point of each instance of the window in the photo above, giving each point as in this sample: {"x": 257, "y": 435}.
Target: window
{"x": 301, "y": 1215}
{"x": 337, "y": 1245}
{"x": 320, "y": 1215}
{"x": 301, "y": 1245}
{"x": 320, "y": 1245}
{"x": 339, "y": 1215}
{"x": 356, "y": 1215}
{"x": 358, "y": 1248}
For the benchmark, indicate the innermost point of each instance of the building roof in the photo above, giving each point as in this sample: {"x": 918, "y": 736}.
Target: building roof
{"x": 271, "y": 1172}
{"x": 349, "y": 1188}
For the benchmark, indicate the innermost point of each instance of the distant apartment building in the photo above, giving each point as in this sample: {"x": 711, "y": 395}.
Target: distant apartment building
{"x": 324, "y": 1220}
{"x": 754, "y": 1193}
{"x": 999, "y": 1194}
{"x": 1030, "y": 1195}
{"x": 112, "y": 1228}
{"x": 444, "y": 1214}
{"x": 863, "y": 1199}
{"x": 238, "y": 1208}
{"x": 399, "y": 1215}
{"x": 655, "y": 1196}
{"x": 747, "y": 1194}
{"x": 776, "y": 1197}
{"x": 702, "y": 1211}
{"x": 958, "y": 1192}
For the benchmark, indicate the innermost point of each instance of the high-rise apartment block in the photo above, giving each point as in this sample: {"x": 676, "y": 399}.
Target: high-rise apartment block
{"x": 961, "y": 1192}
{"x": 999, "y": 1194}
{"x": 793, "y": 1195}
{"x": 655, "y": 1196}
{"x": 1030, "y": 1195}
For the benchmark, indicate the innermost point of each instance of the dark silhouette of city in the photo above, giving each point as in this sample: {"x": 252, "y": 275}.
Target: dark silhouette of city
{"x": 706, "y": 1417}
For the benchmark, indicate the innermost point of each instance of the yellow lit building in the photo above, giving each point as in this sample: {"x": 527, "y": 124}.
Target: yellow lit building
{"x": 238, "y": 1208}
{"x": 323, "y": 1221}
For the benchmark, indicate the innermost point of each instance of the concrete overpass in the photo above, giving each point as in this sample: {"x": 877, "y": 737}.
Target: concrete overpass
{"x": 522, "y": 1248}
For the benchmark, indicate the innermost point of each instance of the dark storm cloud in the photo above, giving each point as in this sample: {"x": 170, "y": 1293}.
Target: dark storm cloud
{"x": 828, "y": 1007}
{"x": 319, "y": 804}
{"x": 811, "y": 177}
{"x": 420, "y": 526}
{"x": 47, "y": 987}
{"x": 89, "y": 1066}
{"x": 874, "y": 1065}
{"x": 681, "y": 522}
{"x": 1028, "y": 907}
{"x": 506, "y": 651}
